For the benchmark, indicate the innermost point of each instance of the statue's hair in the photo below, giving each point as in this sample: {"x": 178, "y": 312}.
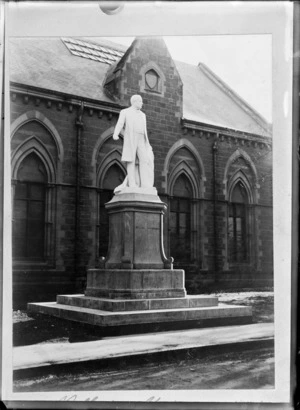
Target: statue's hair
{"x": 134, "y": 98}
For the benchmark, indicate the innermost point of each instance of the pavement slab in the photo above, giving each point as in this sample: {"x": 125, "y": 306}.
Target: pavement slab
{"x": 47, "y": 354}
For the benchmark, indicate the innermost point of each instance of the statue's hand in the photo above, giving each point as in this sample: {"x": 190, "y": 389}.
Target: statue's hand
{"x": 115, "y": 137}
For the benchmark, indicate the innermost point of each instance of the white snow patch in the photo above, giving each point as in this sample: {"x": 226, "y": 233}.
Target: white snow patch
{"x": 228, "y": 296}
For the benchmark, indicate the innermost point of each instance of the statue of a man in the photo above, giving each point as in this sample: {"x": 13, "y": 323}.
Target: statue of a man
{"x": 136, "y": 146}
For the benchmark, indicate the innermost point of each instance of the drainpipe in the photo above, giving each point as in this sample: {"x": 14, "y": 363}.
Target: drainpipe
{"x": 215, "y": 158}
{"x": 79, "y": 126}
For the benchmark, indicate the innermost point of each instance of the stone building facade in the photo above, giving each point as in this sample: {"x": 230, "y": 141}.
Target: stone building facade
{"x": 213, "y": 164}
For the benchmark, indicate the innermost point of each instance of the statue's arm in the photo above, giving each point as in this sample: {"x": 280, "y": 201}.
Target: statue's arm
{"x": 119, "y": 125}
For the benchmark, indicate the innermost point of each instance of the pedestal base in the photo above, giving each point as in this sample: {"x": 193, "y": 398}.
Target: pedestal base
{"x": 199, "y": 311}
{"x": 131, "y": 299}
{"x": 137, "y": 287}
{"x": 135, "y": 283}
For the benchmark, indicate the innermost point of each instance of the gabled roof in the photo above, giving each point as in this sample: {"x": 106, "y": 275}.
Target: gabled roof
{"x": 208, "y": 99}
{"x": 51, "y": 64}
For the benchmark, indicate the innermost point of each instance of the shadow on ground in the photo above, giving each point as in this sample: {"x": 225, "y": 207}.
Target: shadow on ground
{"x": 48, "y": 329}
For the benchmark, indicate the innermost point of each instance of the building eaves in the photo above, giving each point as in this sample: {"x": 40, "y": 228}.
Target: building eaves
{"x": 219, "y": 130}
{"x": 63, "y": 97}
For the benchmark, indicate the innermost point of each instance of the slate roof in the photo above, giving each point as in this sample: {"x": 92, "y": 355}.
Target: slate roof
{"x": 209, "y": 100}
{"x": 47, "y": 63}
{"x": 50, "y": 63}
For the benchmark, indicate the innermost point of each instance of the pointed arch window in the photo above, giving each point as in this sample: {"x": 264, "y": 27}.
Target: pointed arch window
{"x": 113, "y": 177}
{"x": 237, "y": 224}
{"x": 30, "y": 210}
{"x": 180, "y": 220}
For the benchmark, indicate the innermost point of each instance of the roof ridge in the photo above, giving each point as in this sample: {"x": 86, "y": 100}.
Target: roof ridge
{"x": 236, "y": 97}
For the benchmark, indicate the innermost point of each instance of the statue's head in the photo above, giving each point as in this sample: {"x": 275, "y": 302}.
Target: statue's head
{"x": 136, "y": 101}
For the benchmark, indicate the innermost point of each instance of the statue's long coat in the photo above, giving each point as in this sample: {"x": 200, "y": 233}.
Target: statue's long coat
{"x": 130, "y": 144}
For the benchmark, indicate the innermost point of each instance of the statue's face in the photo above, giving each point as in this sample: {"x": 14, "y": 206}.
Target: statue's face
{"x": 138, "y": 103}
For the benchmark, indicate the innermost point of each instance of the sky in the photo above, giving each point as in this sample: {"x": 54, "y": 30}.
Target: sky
{"x": 244, "y": 62}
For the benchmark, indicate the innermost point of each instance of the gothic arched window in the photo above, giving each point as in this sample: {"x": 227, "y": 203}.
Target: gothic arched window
{"x": 30, "y": 209}
{"x": 237, "y": 224}
{"x": 180, "y": 220}
{"x": 114, "y": 176}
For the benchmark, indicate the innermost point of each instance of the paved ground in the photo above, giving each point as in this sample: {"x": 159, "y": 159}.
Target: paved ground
{"x": 50, "y": 354}
{"x": 246, "y": 369}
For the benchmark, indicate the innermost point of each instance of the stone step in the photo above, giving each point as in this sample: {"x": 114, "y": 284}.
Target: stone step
{"x": 106, "y": 319}
{"x": 117, "y": 305}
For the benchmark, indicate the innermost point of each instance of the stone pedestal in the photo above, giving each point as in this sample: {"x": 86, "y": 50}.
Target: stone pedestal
{"x": 136, "y": 266}
{"x": 137, "y": 287}
{"x": 136, "y": 231}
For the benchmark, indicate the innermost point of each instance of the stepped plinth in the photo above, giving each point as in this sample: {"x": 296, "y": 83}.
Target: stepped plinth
{"x": 136, "y": 284}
